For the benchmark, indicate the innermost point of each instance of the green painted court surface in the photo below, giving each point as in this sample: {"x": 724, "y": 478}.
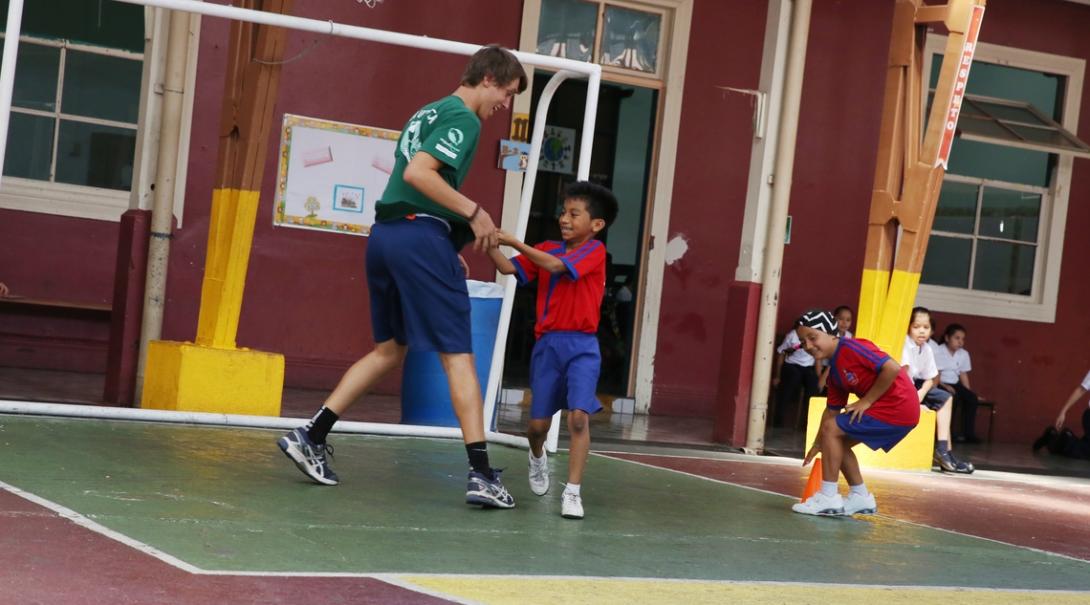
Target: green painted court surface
{"x": 227, "y": 499}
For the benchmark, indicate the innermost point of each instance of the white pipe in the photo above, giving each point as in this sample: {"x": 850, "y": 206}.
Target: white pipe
{"x": 7, "y": 70}
{"x": 360, "y": 33}
{"x": 777, "y": 224}
{"x": 239, "y": 420}
{"x": 500, "y": 348}
{"x": 162, "y": 211}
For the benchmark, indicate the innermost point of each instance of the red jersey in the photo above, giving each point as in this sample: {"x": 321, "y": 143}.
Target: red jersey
{"x": 853, "y": 369}
{"x": 570, "y": 301}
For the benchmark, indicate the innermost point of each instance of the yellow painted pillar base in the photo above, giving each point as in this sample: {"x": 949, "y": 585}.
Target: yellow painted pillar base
{"x": 913, "y": 453}
{"x": 186, "y": 377}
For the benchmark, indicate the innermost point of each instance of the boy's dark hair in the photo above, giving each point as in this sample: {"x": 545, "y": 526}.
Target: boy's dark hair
{"x": 496, "y": 61}
{"x": 951, "y": 329}
{"x": 837, "y": 310}
{"x": 601, "y": 203}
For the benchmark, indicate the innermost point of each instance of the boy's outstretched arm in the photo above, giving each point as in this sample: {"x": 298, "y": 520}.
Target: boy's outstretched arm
{"x": 885, "y": 379}
{"x": 503, "y": 264}
{"x": 540, "y": 258}
{"x": 1075, "y": 396}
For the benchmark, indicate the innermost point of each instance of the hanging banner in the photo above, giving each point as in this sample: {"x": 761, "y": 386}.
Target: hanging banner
{"x": 958, "y": 93}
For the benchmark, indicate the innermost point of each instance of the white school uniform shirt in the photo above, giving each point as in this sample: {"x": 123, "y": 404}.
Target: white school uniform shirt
{"x": 1086, "y": 382}
{"x": 950, "y": 366}
{"x": 798, "y": 356}
{"x": 920, "y": 360}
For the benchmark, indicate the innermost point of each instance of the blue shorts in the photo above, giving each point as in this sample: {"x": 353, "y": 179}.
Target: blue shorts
{"x": 873, "y": 433}
{"x": 418, "y": 287}
{"x": 564, "y": 373}
{"x": 935, "y": 398}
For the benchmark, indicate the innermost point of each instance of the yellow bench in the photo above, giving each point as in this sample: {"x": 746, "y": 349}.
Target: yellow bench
{"x": 914, "y": 452}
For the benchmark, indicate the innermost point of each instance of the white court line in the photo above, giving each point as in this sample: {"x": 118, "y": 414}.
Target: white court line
{"x": 896, "y": 519}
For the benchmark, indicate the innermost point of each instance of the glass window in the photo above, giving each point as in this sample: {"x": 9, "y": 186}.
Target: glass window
{"x": 631, "y": 39}
{"x": 947, "y": 261}
{"x": 36, "y": 77}
{"x": 98, "y": 22}
{"x": 95, "y": 155}
{"x": 34, "y": 135}
{"x": 956, "y": 212}
{"x": 1008, "y": 214}
{"x": 100, "y": 86}
{"x": 1004, "y": 267}
{"x": 567, "y": 29}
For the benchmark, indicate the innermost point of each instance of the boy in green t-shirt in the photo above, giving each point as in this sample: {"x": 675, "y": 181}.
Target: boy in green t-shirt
{"x": 415, "y": 275}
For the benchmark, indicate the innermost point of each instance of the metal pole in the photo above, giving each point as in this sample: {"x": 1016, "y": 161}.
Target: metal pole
{"x": 777, "y": 225}
{"x": 162, "y": 209}
{"x": 7, "y": 71}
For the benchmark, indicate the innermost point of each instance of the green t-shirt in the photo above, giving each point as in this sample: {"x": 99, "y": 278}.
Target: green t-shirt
{"x": 448, "y": 131}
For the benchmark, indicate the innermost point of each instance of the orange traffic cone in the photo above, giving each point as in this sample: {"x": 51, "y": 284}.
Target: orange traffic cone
{"x": 813, "y": 484}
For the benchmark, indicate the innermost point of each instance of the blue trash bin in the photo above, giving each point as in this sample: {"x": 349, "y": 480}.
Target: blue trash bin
{"x": 425, "y": 393}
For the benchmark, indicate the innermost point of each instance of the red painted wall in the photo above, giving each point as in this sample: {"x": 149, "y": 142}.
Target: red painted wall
{"x": 708, "y": 204}
{"x": 306, "y": 295}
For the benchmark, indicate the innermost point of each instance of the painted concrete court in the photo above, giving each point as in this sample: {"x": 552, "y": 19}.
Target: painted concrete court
{"x": 139, "y": 512}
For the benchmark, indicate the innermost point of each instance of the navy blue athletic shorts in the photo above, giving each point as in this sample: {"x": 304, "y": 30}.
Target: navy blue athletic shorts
{"x": 564, "y": 373}
{"x": 418, "y": 287}
{"x": 874, "y": 433}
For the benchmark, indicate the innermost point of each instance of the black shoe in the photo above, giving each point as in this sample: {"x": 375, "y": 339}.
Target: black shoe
{"x": 961, "y": 466}
{"x": 945, "y": 462}
{"x": 1043, "y": 440}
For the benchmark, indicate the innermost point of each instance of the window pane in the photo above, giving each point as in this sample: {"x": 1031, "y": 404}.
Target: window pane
{"x": 104, "y": 87}
{"x": 30, "y": 146}
{"x": 1010, "y": 214}
{"x": 947, "y": 262}
{"x": 36, "y": 77}
{"x": 1046, "y": 136}
{"x": 1011, "y": 113}
{"x": 99, "y": 22}
{"x": 631, "y": 39}
{"x": 94, "y": 155}
{"x": 567, "y": 29}
{"x": 956, "y": 212}
{"x": 1004, "y": 267}
{"x": 1010, "y": 164}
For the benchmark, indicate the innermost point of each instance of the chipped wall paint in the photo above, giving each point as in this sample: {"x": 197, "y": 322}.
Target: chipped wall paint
{"x": 676, "y": 248}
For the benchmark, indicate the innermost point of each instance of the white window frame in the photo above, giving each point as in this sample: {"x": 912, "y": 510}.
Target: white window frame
{"x": 79, "y": 201}
{"x": 1041, "y": 305}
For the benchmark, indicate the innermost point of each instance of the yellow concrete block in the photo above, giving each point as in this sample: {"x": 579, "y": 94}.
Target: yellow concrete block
{"x": 914, "y": 452}
{"x": 187, "y": 377}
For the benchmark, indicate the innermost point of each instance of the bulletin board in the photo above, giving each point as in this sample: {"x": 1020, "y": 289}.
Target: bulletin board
{"x": 331, "y": 174}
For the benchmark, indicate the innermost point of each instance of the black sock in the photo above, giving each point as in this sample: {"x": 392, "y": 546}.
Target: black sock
{"x": 321, "y": 424}
{"x": 478, "y": 458}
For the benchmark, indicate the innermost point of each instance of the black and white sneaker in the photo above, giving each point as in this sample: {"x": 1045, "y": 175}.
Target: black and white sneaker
{"x": 489, "y": 493}
{"x": 310, "y": 457}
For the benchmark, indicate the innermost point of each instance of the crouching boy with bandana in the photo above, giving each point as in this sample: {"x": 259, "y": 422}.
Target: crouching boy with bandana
{"x": 887, "y": 409}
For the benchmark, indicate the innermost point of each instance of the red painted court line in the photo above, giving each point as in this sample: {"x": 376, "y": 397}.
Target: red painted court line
{"x": 1047, "y": 518}
{"x": 45, "y": 558}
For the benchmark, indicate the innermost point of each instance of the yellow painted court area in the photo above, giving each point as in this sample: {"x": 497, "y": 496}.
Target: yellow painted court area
{"x": 579, "y": 591}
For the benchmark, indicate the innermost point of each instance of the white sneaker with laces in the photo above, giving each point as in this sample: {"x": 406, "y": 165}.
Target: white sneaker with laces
{"x": 855, "y": 504}
{"x": 820, "y": 504}
{"x": 571, "y": 506}
{"x": 539, "y": 474}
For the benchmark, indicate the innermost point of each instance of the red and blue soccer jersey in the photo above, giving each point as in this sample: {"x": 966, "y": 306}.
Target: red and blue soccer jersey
{"x": 853, "y": 369}
{"x": 570, "y": 301}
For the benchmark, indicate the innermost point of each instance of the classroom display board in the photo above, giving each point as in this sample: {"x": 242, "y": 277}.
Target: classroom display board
{"x": 331, "y": 174}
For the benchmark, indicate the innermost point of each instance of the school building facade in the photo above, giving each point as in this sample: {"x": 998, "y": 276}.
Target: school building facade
{"x": 686, "y": 134}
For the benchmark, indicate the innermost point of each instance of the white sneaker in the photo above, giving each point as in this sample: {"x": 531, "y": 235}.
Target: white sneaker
{"x": 820, "y": 504}
{"x": 855, "y": 504}
{"x": 539, "y": 474}
{"x": 571, "y": 506}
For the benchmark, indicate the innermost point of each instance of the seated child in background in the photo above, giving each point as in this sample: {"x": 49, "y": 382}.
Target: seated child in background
{"x": 843, "y": 316}
{"x": 954, "y": 366}
{"x": 793, "y": 370}
{"x": 1062, "y": 441}
{"x": 567, "y": 360}
{"x": 887, "y": 410}
{"x": 919, "y": 360}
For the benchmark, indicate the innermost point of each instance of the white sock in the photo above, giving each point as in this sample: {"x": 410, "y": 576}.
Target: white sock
{"x": 537, "y": 459}
{"x": 828, "y": 488}
{"x": 572, "y": 488}
{"x": 860, "y": 489}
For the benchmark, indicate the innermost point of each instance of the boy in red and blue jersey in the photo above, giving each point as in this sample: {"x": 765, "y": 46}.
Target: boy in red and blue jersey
{"x": 564, "y": 367}
{"x": 887, "y": 410}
